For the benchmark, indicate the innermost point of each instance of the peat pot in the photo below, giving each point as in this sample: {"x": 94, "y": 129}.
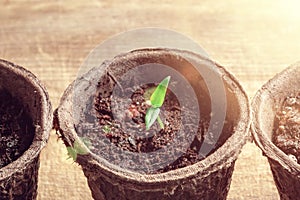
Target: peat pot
{"x": 267, "y": 105}
{"x": 26, "y": 119}
{"x": 206, "y": 117}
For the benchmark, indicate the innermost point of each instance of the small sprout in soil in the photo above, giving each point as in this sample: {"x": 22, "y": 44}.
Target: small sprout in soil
{"x": 156, "y": 101}
{"x": 106, "y": 128}
{"x": 78, "y": 148}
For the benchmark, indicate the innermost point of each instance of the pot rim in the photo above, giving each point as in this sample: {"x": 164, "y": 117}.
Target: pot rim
{"x": 42, "y": 130}
{"x": 261, "y": 137}
{"x": 228, "y": 150}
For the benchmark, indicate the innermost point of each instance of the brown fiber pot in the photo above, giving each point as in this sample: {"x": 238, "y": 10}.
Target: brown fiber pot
{"x": 18, "y": 180}
{"x": 207, "y": 179}
{"x": 266, "y": 104}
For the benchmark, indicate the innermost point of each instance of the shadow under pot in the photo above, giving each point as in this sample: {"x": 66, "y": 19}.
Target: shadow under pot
{"x": 189, "y": 151}
{"x": 276, "y": 129}
{"x": 25, "y": 122}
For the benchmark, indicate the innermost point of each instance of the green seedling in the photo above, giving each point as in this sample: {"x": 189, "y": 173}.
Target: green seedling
{"x": 79, "y": 147}
{"x": 106, "y": 128}
{"x": 156, "y": 101}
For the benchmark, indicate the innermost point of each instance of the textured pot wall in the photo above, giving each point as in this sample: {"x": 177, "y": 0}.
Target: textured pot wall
{"x": 22, "y": 184}
{"x": 286, "y": 182}
{"x": 200, "y": 186}
{"x": 266, "y": 104}
{"x": 18, "y": 180}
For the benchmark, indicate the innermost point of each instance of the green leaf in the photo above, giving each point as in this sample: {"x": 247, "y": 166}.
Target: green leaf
{"x": 158, "y": 96}
{"x": 151, "y": 116}
{"x": 78, "y": 148}
{"x": 161, "y": 124}
{"x": 72, "y": 153}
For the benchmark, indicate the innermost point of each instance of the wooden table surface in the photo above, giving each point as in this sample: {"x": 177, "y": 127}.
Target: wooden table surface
{"x": 253, "y": 40}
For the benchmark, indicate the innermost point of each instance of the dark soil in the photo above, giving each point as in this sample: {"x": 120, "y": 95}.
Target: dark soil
{"x": 137, "y": 139}
{"x": 287, "y": 127}
{"x": 16, "y": 129}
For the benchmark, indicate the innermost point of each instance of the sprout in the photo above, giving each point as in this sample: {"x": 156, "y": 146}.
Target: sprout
{"x": 80, "y": 147}
{"x": 156, "y": 101}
